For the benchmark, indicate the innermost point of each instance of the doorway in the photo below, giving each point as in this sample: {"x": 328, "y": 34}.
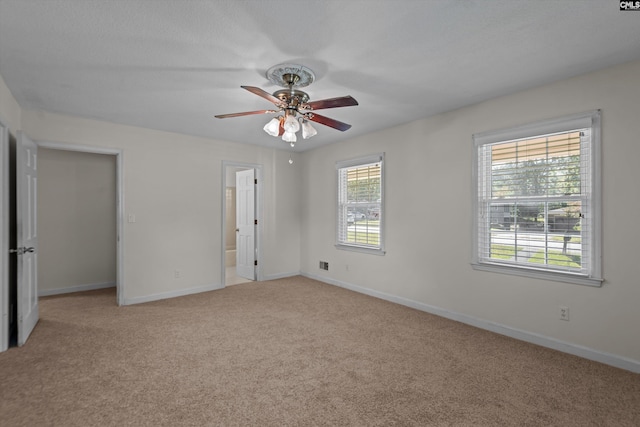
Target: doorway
{"x": 241, "y": 223}
{"x": 76, "y": 221}
{"x": 90, "y": 178}
{"x": 9, "y": 288}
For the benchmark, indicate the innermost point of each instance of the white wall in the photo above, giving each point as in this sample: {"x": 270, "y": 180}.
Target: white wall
{"x": 230, "y": 241}
{"x": 173, "y": 185}
{"x": 428, "y": 213}
{"x": 9, "y": 109}
{"x": 76, "y": 220}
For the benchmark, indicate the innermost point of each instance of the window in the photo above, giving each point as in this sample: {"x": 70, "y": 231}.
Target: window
{"x": 537, "y": 200}
{"x": 360, "y": 204}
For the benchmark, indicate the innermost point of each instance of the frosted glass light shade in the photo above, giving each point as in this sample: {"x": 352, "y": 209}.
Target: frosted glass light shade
{"x": 307, "y": 130}
{"x": 289, "y": 137}
{"x": 273, "y": 127}
{"x": 291, "y": 124}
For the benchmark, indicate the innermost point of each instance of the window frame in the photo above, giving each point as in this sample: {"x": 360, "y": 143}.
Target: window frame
{"x": 590, "y": 119}
{"x": 354, "y": 163}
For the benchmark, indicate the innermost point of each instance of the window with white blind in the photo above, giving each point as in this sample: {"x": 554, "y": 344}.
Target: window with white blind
{"x": 537, "y": 200}
{"x": 360, "y": 204}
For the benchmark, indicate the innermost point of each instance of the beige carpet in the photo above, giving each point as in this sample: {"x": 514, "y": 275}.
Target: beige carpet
{"x": 292, "y": 352}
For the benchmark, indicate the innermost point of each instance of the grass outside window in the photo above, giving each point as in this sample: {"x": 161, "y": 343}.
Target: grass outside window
{"x": 556, "y": 258}
{"x": 504, "y": 251}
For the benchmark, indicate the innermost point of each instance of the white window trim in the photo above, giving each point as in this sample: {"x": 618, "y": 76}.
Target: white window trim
{"x": 373, "y": 158}
{"x": 590, "y": 119}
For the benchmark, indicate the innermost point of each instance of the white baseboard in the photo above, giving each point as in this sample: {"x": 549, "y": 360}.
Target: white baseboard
{"x": 544, "y": 341}
{"x": 172, "y": 294}
{"x": 206, "y": 288}
{"x": 78, "y": 288}
{"x": 280, "y": 276}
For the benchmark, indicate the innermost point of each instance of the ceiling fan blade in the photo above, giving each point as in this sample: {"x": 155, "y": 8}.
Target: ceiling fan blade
{"x": 266, "y": 95}
{"x": 342, "y": 101}
{"x": 328, "y": 122}
{"x": 246, "y": 113}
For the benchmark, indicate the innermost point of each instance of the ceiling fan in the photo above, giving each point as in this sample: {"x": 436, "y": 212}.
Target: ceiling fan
{"x": 293, "y": 104}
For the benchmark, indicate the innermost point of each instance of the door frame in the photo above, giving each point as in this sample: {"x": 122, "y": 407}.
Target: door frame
{"x": 120, "y": 283}
{"x": 4, "y": 237}
{"x": 259, "y": 210}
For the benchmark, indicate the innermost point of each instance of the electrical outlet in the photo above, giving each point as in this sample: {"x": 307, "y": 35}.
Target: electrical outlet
{"x": 564, "y": 312}
{"x": 176, "y": 274}
{"x": 324, "y": 265}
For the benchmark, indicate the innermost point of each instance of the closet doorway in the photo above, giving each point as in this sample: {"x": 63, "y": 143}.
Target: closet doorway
{"x": 79, "y": 219}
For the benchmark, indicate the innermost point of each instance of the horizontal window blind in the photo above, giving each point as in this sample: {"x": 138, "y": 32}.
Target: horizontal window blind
{"x": 535, "y": 202}
{"x": 360, "y": 204}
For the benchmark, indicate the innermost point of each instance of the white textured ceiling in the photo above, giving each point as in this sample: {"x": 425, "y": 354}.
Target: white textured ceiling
{"x": 173, "y": 64}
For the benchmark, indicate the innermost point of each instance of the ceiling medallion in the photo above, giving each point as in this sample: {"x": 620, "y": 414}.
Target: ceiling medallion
{"x": 281, "y": 75}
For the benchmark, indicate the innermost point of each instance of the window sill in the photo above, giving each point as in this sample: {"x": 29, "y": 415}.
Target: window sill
{"x": 539, "y": 274}
{"x": 360, "y": 249}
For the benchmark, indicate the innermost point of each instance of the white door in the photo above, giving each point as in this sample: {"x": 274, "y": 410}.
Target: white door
{"x": 26, "y": 196}
{"x": 246, "y": 224}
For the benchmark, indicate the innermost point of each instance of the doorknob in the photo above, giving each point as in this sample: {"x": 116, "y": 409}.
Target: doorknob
{"x": 237, "y": 230}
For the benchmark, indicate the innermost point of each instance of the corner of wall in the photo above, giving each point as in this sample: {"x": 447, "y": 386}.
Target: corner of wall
{"x": 10, "y": 111}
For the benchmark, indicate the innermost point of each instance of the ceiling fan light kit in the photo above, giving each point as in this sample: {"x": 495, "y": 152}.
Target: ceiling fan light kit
{"x": 307, "y": 130}
{"x": 291, "y": 124}
{"x": 273, "y": 127}
{"x": 293, "y": 104}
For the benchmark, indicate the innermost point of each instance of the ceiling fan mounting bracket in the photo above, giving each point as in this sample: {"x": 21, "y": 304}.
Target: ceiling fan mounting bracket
{"x": 291, "y": 79}
{"x": 290, "y": 75}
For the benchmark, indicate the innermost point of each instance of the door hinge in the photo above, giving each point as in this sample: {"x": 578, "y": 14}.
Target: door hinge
{"x": 255, "y": 181}
{"x": 255, "y": 221}
{"x": 255, "y": 262}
